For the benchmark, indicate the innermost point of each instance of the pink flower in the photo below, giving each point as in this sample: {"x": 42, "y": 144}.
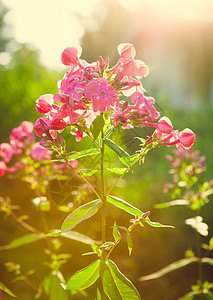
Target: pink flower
{"x": 187, "y": 138}
{"x": 6, "y": 151}
{"x": 70, "y": 56}
{"x": 44, "y": 103}
{"x": 102, "y": 94}
{"x": 127, "y": 52}
{"x": 78, "y": 135}
{"x": 3, "y": 168}
{"x": 42, "y": 126}
{"x": 39, "y": 153}
{"x": 164, "y": 125}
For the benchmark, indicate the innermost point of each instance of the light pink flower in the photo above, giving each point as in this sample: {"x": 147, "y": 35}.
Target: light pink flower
{"x": 44, "y": 103}
{"x": 70, "y": 56}
{"x": 187, "y": 138}
{"x": 102, "y": 94}
{"x": 127, "y": 52}
{"x": 164, "y": 125}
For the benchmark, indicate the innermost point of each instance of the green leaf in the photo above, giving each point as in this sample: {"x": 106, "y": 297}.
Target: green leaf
{"x": 84, "y": 278}
{"x": 6, "y": 290}
{"x": 77, "y": 236}
{"x": 83, "y": 153}
{"x": 33, "y": 237}
{"x": 96, "y": 126}
{"x": 132, "y": 210}
{"x": 80, "y": 214}
{"x": 98, "y": 295}
{"x": 122, "y": 154}
{"x": 115, "y": 284}
{"x": 118, "y": 171}
{"x": 116, "y": 233}
{"x": 87, "y": 172}
{"x": 171, "y": 267}
{"x": 129, "y": 242}
{"x": 56, "y": 291}
{"x": 172, "y": 203}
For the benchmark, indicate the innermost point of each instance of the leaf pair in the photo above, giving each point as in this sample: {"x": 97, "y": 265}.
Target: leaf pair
{"x": 115, "y": 284}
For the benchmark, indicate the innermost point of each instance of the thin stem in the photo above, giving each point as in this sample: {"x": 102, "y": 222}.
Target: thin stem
{"x": 199, "y": 255}
{"x": 94, "y": 141}
{"x": 30, "y": 283}
{"x": 103, "y": 195}
{"x": 24, "y": 224}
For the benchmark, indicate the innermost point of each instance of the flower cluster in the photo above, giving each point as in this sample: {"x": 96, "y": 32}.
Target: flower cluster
{"x": 87, "y": 90}
{"x": 21, "y": 150}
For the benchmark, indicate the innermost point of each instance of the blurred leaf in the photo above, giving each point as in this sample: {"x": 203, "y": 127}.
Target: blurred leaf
{"x": 118, "y": 171}
{"x": 6, "y": 290}
{"x": 172, "y": 203}
{"x": 132, "y": 210}
{"x": 207, "y": 260}
{"x": 87, "y": 172}
{"x": 84, "y": 278}
{"x": 56, "y": 291}
{"x": 97, "y": 125}
{"x": 122, "y": 154}
{"x": 129, "y": 242}
{"x": 189, "y": 296}
{"x": 115, "y": 284}
{"x": 83, "y": 153}
{"x": 116, "y": 233}
{"x": 171, "y": 267}
{"x": 197, "y": 224}
{"x": 80, "y": 214}
{"x": 33, "y": 237}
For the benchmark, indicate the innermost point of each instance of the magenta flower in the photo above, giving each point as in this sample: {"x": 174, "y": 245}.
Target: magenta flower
{"x": 101, "y": 94}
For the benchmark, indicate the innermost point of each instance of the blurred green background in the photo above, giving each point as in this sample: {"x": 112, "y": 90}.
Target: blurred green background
{"x": 177, "y": 46}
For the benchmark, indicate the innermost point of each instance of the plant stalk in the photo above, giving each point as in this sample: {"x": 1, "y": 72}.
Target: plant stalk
{"x": 103, "y": 196}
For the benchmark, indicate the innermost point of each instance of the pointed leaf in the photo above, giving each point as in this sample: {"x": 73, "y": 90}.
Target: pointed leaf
{"x": 98, "y": 295}
{"x": 77, "y": 236}
{"x": 129, "y": 242}
{"x": 84, "y": 278}
{"x": 118, "y": 171}
{"x": 80, "y": 214}
{"x": 116, "y": 233}
{"x": 83, "y": 153}
{"x": 189, "y": 296}
{"x": 132, "y": 210}
{"x": 122, "y": 154}
{"x": 97, "y": 125}
{"x": 115, "y": 284}
{"x": 26, "y": 239}
{"x": 87, "y": 172}
{"x": 171, "y": 267}
{"x": 6, "y": 290}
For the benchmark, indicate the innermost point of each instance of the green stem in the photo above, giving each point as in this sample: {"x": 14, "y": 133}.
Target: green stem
{"x": 24, "y": 224}
{"x": 199, "y": 255}
{"x": 103, "y": 197}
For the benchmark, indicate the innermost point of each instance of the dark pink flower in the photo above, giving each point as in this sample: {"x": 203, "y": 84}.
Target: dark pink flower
{"x": 164, "y": 125}
{"x": 42, "y": 126}
{"x": 3, "y": 168}
{"x": 187, "y": 138}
